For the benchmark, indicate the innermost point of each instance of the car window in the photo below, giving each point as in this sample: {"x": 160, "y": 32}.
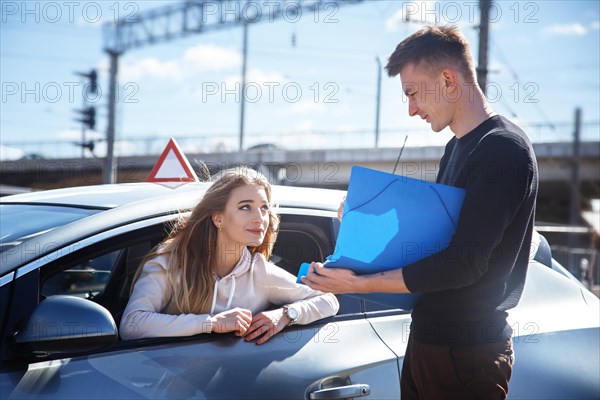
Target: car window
{"x": 302, "y": 239}
{"x": 305, "y": 238}
{"x": 86, "y": 279}
{"x": 102, "y": 272}
{"x": 19, "y": 222}
{"x": 294, "y": 247}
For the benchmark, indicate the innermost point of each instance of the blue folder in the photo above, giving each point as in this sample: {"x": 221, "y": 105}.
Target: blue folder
{"x": 391, "y": 221}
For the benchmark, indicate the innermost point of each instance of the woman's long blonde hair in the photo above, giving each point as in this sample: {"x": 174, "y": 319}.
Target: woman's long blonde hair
{"x": 192, "y": 243}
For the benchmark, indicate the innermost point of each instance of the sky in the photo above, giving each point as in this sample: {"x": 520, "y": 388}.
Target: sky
{"x": 312, "y": 78}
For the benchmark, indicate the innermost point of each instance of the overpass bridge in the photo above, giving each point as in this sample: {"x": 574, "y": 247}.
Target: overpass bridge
{"x": 324, "y": 168}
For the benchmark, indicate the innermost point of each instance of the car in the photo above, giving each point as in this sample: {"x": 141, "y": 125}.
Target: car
{"x": 265, "y": 147}
{"x": 7, "y": 190}
{"x": 68, "y": 260}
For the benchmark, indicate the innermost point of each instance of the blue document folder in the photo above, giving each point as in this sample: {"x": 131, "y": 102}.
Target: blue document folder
{"x": 391, "y": 221}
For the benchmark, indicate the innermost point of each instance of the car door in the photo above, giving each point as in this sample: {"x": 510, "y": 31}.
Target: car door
{"x": 338, "y": 357}
{"x": 297, "y": 362}
{"x": 392, "y": 325}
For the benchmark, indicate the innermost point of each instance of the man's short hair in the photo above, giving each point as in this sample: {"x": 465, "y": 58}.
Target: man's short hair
{"x": 434, "y": 48}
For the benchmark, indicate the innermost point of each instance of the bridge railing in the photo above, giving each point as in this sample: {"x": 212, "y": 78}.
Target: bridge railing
{"x": 583, "y": 263}
{"x": 292, "y": 140}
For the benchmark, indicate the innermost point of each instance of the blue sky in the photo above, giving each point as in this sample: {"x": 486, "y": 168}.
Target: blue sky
{"x": 317, "y": 92}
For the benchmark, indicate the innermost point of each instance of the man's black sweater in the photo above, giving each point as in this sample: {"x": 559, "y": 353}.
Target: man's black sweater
{"x": 469, "y": 285}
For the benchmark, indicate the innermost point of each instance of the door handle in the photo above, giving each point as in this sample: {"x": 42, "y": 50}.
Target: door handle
{"x": 342, "y": 392}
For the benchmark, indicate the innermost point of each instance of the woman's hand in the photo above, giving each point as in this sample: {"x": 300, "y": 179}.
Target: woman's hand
{"x": 266, "y": 324}
{"x": 236, "y": 320}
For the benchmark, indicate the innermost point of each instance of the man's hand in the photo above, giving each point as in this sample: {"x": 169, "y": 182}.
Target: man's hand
{"x": 340, "y": 280}
{"x": 266, "y": 324}
{"x": 340, "y": 211}
{"x": 331, "y": 280}
{"x": 236, "y": 320}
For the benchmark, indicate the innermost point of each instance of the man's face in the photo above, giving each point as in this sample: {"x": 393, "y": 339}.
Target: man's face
{"x": 427, "y": 96}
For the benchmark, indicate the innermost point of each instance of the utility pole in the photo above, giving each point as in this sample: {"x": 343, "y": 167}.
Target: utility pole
{"x": 484, "y": 24}
{"x": 243, "y": 88}
{"x": 575, "y": 201}
{"x": 110, "y": 166}
{"x": 378, "y": 102}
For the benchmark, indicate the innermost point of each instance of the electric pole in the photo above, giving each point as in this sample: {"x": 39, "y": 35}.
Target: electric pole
{"x": 243, "y": 88}
{"x": 110, "y": 166}
{"x": 378, "y": 102}
{"x": 575, "y": 203}
{"x": 484, "y": 24}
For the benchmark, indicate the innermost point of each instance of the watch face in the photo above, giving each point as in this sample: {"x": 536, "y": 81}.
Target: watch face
{"x": 292, "y": 313}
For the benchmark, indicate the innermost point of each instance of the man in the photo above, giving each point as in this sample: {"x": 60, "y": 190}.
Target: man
{"x": 460, "y": 343}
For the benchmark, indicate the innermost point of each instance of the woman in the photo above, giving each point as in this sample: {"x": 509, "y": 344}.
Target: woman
{"x": 211, "y": 273}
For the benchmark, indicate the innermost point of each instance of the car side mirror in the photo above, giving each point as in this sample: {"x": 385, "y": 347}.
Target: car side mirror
{"x": 65, "y": 325}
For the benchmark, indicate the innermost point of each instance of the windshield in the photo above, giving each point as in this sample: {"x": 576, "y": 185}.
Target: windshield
{"x": 19, "y": 222}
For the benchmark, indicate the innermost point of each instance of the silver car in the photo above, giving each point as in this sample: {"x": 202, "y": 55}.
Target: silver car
{"x": 68, "y": 259}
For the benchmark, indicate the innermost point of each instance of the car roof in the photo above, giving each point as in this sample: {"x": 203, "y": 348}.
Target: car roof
{"x": 100, "y": 196}
{"x": 117, "y": 195}
{"x": 128, "y": 202}
{"x": 123, "y": 204}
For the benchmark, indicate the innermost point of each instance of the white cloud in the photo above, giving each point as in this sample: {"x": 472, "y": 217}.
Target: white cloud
{"x": 151, "y": 67}
{"x": 208, "y": 57}
{"x": 200, "y": 58}
{"x": 595, "y": 25}
{"x": 10, "y": 153}
{"x": 574, "y": 29}
{"x": 260, "y": 86}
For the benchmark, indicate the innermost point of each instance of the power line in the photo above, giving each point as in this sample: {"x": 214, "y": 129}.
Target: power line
{"x": 351, "y": 51}
{"x": 517, "y": 79}
{"x": 43, "y": 57}
{"x": 54, "y": 30}
{"x": 508, "y": 108}
{"x": 295, "y": 53}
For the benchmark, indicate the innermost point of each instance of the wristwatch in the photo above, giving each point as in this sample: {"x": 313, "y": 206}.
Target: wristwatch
{"x": 291, "y": 313}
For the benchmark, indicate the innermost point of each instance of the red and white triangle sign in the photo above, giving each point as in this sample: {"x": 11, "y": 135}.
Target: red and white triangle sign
{"x": 172, "y": 166}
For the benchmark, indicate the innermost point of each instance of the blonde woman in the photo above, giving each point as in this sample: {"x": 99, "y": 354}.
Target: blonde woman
{"x": 211, "y": 273}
